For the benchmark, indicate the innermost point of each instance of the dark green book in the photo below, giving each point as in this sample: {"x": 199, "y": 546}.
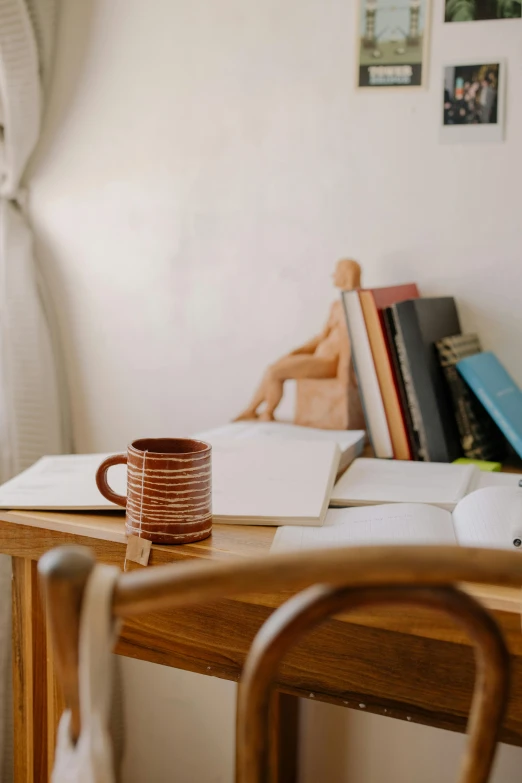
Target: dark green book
{"x": 479, "y": 435}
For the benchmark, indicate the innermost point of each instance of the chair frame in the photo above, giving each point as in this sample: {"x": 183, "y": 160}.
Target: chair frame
{"x": 298, "y": 616}
{"x": 331, "y": 581}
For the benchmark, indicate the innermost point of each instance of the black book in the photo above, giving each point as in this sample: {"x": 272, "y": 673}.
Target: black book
{"x": 419, "y": 324}
{"x": 413, "y": 436}
{"x": 479, "y": 435}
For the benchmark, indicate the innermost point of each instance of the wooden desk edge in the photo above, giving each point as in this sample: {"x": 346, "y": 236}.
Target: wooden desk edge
{"x": 497, "y": 598}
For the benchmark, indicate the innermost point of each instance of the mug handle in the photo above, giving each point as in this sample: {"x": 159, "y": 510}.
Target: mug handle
{"x": 101, "y": 479}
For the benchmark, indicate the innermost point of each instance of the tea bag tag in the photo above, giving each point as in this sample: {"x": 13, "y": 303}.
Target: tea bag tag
{"x": 138, "y": 550}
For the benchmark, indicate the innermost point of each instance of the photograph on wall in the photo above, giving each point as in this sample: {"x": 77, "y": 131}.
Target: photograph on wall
{"x": 473, "y": 102}
{"x": 392, "y": 43}
{"x": 475, "y": 10}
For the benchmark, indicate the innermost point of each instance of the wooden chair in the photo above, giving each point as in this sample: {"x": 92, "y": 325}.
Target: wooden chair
{"x": 331, "y": 581}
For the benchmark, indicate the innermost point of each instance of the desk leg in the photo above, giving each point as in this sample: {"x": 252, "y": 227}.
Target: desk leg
{"x": 30, "y": 683}
{"x": 55, "y": 704}
{"x": 286, "y": 738}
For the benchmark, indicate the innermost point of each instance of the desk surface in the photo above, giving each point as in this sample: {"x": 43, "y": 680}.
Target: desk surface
{"x": 226, "y": 542}
{"x": 409, "y": 664}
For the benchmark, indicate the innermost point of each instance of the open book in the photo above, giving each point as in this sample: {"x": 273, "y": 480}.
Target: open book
{"x": 372, "y": 481}
{"x": 256, "y": 482}
{"x": 350, "y": 442}
{"x": 490, "y": 517}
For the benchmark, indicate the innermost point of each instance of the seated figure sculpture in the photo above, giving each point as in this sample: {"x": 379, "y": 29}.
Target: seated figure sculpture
{"x": 326, "y": 357}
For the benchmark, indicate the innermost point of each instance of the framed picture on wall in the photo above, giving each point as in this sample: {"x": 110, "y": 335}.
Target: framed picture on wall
{"x": 392, "y": 45}
{"x": 476, "y": 10}
{"x": 473, "y": 102}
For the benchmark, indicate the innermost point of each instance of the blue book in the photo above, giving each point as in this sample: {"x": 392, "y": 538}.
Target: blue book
{"x": 498, "y": 393}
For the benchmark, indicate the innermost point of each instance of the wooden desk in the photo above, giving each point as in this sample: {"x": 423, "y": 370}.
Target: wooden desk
{"x": 404, "y": 664}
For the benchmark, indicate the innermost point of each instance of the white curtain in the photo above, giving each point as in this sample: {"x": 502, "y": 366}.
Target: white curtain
{"x": 33, "y": 398}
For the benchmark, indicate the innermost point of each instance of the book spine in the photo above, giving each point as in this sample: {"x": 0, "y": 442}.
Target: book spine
{"x": 383, "y": 368}
{"x": 389, "y": 324}
{"x": 463, "y": 415}
{"x": 478, "y": 437}
{"x": 344, "y": 300}
{"x": 422, "y": 323}
{"x": 373, "y": 406}
{"x": 496, "y": 414}
{"x": 413, "y": 403}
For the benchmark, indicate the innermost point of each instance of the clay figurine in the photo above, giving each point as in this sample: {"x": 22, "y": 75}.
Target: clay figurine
{"x": 326, "y": 390}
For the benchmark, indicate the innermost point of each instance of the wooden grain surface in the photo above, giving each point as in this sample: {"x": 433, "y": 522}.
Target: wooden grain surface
{"x": 391, "y": 672}
{"x": 29, "y": 675}
{"x": 103, "y": 533}
{"x": 311, "y": 607}
{"x": 402, "y": 663}
{"x": 55, "y": 704}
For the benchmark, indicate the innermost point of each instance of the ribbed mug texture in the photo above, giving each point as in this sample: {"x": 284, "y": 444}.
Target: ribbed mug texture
{"x": 169, "y": 489}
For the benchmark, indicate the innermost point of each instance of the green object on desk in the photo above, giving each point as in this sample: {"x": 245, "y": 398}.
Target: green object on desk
{"x": 490, "y": 467}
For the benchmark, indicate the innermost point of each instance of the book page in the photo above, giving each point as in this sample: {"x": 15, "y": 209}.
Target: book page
{"x": 272, "y": 481}
{"x": 490, "y": 517}
{"x": 63, "y": 483}
{"x": 246, "y": 430}
{"x": 495, "y": 479}
{"x": 370, "y": 481}
{"x": 261, "y": 481}
{"x": 401, "y": 523}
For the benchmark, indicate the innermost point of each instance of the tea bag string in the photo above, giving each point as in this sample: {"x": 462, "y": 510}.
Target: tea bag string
{"x": 142, "y": 489}
{"x": 141, "y": 502}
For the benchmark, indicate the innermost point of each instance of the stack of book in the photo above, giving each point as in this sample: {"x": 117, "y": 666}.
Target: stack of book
{"x": 410, "y": 358}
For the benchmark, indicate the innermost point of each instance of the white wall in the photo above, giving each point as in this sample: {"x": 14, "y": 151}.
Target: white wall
{"x": 205, "y": 164}
{"x": 180, "y": 726}
{"x": 350, "y": 747}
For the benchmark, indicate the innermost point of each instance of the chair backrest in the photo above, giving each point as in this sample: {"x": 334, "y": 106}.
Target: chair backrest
{"x": 288, "y": 624}
{"x": 331, "y": 581}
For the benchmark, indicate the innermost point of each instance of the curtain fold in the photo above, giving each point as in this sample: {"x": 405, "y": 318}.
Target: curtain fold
{"x": 33, "y": 401}
{"x": 20, "y": 93}
{"x": 30, "y": 417}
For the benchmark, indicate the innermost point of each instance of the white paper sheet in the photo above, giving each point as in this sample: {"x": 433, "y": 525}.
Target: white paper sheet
{"x": 490, "y": 517}
{"x": 485, "y": 479}
{"x": 65, "y": 483}
{"x": 351, "y": 442}
{"x": 401, "y": 523}
{"x": 265, "y": 481}
{"x": 370, "y": 481}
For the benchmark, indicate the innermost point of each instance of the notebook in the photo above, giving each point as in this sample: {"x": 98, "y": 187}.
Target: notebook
{"x": 260, "y": 481}
{"x": 273, "y": 482}
{"x": 372, "y": 481}
{"x": 490, "y": 517}
{"x": 63, "y": 483}
{"x": 350, "y": 442}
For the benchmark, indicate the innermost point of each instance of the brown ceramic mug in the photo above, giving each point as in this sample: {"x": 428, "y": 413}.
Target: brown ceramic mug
{"x": 169, "y": 489}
